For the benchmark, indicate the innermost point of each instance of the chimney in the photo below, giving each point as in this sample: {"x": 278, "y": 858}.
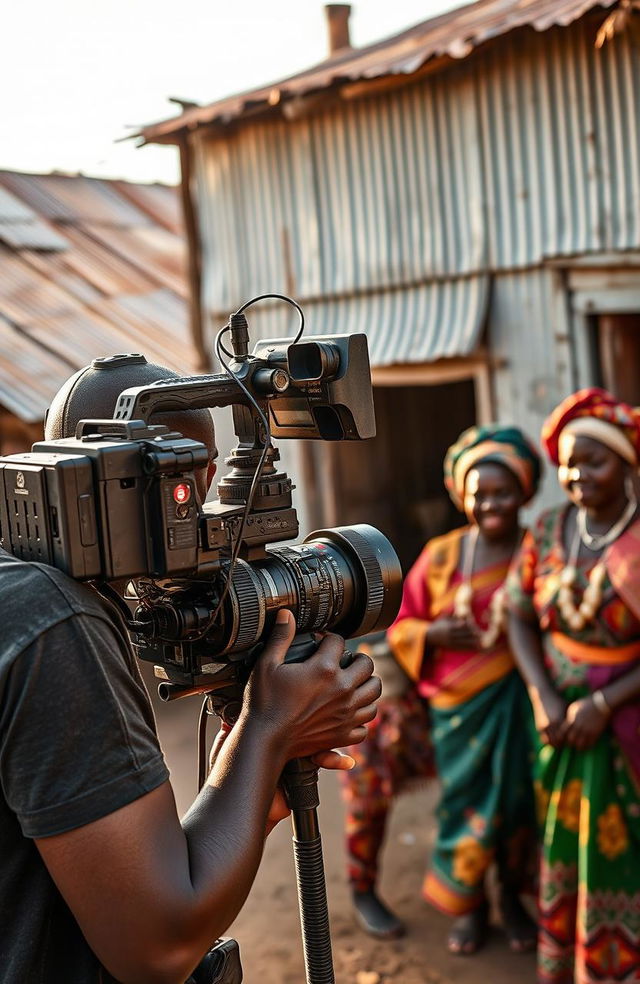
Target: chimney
{"x": 338, "y": 25}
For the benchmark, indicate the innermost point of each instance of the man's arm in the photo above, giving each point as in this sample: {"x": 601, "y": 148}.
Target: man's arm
{"x": 151, "y": 894}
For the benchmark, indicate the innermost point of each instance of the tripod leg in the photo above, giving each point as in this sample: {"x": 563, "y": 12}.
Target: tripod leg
{"x": 300, "y": 781}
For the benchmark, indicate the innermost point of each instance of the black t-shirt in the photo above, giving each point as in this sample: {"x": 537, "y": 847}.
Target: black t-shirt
{"x": 77, "y": 741}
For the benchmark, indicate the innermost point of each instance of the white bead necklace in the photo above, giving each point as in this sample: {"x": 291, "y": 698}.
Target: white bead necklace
{"x": 596, "y": 541}
{"x": 464, "y": 596}
{"x": 577, "y": 618}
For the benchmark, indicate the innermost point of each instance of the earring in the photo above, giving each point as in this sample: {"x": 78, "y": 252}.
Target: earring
{"x": 630, "y": 489}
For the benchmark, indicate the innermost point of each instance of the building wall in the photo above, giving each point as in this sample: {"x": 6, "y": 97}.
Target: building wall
{"x": 526, "y": 151}
{"x": 390, "y": 214}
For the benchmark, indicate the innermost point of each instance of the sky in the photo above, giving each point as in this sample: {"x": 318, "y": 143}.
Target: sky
{"x": 76, "y": 76}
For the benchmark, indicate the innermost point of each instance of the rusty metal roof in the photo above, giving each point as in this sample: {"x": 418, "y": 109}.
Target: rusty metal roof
{"x": 157, "y": 200}
{"x": 102, "y": 275}
{"x": 29, "y": 374}
{"x": 21, "y": 227}
{"x": 74, "y": 199}
{"x": 451, "y": 36}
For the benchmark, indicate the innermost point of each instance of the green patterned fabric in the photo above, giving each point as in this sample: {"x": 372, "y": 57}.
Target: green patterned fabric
{"x": 484, "y": 757}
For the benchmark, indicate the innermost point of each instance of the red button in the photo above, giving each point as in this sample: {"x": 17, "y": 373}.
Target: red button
{"x": 182, "y": 493}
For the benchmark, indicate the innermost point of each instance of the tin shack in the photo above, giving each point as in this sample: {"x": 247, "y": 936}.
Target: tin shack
{"x": 467, "y": 193}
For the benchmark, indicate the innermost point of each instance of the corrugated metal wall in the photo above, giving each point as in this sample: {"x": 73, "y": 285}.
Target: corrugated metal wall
{"x": 526, "y": 152}
{"x": 529, "y": 336}
{"x": 560, "y": 125}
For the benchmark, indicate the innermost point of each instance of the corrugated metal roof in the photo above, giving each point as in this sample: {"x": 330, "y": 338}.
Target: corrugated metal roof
{"x": 530, "y": 152}
{"x": 159, "y": 201}
{"x": 29, "y": 374}
{"x": 434, "y": 321}
{"x": 74, "y": 199}
{"x": 453, "y": 35}
{"x": 21, "y": 227}
{"x": 153, "y": 250}
{"x": 116, "y": 286}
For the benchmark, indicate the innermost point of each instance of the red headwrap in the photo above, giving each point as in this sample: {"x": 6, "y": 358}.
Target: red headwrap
{"x": 600, "y": 406}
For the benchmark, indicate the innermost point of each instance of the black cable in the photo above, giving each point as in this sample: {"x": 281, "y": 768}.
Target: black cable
{"x": 219, "y": 347}
{"x": 279, "y": 297}
{"x": 202, "y": 744}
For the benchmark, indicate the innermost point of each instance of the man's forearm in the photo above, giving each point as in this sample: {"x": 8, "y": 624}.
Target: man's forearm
{"x": 225, "y": 826}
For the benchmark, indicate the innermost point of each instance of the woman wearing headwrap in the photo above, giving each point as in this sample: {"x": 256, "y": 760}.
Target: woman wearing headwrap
{"x": 574, "y": 625}
{"x": 449, "y": 637}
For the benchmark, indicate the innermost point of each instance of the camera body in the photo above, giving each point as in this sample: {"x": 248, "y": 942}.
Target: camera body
{"x": 118, "y": 505}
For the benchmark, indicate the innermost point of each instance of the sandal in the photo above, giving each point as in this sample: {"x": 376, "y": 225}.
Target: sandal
{"x": 520, "y": 929}
{"x": 469, "y": 932}
{"x": 375, "y": 918}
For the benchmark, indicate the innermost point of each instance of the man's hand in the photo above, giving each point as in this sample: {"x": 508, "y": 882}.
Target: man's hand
{"x": 314, "y": 705}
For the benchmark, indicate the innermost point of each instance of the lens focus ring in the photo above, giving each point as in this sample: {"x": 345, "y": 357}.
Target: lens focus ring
{"x": 371, "y": 564}
{"x": 249, "y": 607}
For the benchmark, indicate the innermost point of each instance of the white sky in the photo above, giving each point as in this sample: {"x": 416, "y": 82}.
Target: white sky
{"x": 75, "y": 73}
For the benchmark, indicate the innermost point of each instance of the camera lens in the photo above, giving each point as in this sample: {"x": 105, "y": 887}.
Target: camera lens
{"x": 346, "y": 579}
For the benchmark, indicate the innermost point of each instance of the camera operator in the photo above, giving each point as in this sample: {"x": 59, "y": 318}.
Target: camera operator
{"x": 100, "y": 879}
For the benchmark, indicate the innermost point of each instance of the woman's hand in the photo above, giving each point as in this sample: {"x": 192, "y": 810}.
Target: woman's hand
{"x": 584, "y": 724}
{"x": 453, "y": 632}
{"x": 549, "y": 711}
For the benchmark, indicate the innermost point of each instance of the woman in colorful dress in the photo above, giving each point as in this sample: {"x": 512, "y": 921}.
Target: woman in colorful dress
{"x": 449, "y": 637}
{"x": 574, "y": 598}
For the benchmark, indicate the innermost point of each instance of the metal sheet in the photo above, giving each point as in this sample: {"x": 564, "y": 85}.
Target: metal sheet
{"x": 529, "y": 153}
{"x": 29, "y": 374}
{"x": 66, "y": 198}
{"x": 160, "y": 202}
{"x": 453, "y": 35}
{"x": 20, "y": 227}
{"x": 116, "y": 286}
{"x": 380, "y": 193}
{"x": 98, "y": 264}
{"x": 438, "y": 320}
{"x": 31, "y": 235}
{"x": 151, "y": 251}
{"x": 529, "y": 337}
{"x": 51, "y": 314}
{"x": 561, "y": 150}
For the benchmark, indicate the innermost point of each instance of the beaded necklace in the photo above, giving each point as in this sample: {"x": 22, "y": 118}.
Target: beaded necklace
{"x": 464, "y": 596}
{"x": 577, "y": 617}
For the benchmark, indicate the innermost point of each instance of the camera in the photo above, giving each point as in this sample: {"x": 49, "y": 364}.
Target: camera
{"x": 117, "y": 505}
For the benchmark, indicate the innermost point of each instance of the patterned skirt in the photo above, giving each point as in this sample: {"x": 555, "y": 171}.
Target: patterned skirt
{"x": 589, "y": 807}
{"x": 484, "y": 760}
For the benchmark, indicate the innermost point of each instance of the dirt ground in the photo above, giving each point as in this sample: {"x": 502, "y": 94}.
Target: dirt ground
{"x": 268, "y": 929}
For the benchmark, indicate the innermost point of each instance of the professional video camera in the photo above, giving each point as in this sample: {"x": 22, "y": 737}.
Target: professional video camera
{"x": 118, "y": 503}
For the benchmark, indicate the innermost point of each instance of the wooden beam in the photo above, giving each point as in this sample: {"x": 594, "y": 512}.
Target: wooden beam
{"x": 194, "y": 256}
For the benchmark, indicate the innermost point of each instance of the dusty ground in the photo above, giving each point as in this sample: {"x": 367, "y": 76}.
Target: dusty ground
{"x": 268, "y": 929}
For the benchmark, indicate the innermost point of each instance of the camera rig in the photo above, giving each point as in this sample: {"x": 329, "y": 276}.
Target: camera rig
{"x": 118, "y": 503}
{"x": 118, "y": 506}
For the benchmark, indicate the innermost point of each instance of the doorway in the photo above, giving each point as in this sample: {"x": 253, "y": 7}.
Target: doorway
{"x": 395, "y": 481}
{"x": 616, "y": 354}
